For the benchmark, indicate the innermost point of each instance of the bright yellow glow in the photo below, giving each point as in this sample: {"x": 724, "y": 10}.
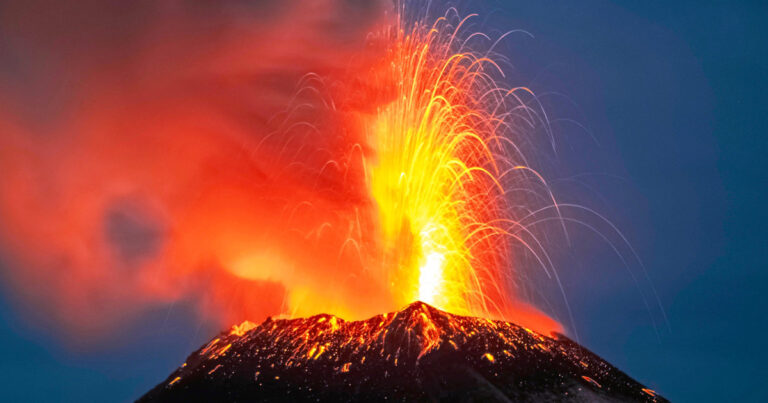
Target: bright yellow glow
{"x": 430, "y": 278}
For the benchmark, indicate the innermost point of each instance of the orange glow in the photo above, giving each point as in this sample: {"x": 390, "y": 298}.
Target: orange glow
{"x": 384, "y": 177}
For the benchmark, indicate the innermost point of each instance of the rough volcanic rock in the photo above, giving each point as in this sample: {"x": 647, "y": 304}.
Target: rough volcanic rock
{"x": 417, "y": 354}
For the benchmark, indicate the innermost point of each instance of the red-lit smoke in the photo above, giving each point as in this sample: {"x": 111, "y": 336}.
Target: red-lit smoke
{"x": 153, "y": 152}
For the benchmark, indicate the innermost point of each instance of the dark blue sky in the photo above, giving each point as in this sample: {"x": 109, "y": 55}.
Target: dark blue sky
{"x": 675, "y": 95}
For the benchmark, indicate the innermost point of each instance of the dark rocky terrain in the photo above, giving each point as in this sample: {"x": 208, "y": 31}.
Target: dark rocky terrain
{"x": 417, "y": 354}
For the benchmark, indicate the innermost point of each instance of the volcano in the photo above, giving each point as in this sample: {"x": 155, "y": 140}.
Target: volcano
{"x": 417, "y": 354}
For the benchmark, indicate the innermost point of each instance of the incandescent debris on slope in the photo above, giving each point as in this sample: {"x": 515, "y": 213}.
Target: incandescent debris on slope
{"x": 417, "y": 354}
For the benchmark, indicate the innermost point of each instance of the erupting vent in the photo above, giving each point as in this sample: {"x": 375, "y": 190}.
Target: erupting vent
{"x": 419, "y": 353}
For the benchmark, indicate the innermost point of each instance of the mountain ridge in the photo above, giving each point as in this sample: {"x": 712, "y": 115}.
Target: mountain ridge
{"x": 419, "y": 353}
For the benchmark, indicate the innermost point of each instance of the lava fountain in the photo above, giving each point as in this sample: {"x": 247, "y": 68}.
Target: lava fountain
{"x": 438, "y": 160}
{"x": 442, "y": 157}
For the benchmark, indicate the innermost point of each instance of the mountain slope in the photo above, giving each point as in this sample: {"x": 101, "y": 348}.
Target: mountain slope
{"x": 418, "y": 354}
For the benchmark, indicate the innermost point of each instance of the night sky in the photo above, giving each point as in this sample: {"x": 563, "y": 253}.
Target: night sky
{"x": 659, "y": 108}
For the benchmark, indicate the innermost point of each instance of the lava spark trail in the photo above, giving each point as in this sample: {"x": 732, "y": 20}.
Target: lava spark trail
{"x": 444, "y": 155}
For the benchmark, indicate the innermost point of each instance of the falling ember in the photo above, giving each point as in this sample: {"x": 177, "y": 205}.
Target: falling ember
{"x": 650, "y": 392}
